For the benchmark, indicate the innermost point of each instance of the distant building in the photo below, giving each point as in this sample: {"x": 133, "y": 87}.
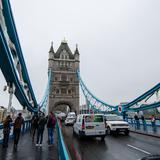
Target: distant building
{"x": 83, "y": 109}
{"x": 3, "y": 113}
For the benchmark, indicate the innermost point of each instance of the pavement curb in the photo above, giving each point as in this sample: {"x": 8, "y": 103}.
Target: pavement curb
{"x": 147, "y": 134}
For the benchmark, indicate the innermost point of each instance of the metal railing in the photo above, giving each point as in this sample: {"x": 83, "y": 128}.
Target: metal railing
{"x": 147, "y": 121}
{"x": 62, "y": 149}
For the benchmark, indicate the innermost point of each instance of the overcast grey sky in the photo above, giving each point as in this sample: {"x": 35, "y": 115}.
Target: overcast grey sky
{"x": 119, "y": 43}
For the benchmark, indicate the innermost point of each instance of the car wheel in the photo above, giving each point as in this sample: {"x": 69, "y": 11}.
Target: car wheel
{"x": 126, "y": 132}
{"x": 108, "y": 131}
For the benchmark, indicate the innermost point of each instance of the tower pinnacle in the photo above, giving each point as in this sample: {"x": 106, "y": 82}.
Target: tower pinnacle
{"x": 51, "y": 49}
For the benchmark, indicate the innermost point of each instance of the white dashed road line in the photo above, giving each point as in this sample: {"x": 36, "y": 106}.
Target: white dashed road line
{"x": 141, "y": 150}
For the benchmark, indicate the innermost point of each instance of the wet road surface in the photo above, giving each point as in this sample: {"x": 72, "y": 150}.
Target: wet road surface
{"x": 28, "y": 151}
{"x": 117, "y": 147}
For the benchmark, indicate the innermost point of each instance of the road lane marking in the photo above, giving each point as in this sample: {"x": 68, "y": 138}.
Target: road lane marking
{"x": 138, "y": 149}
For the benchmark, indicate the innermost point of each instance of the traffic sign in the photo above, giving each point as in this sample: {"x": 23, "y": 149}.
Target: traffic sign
{"x": 119, "y": 108}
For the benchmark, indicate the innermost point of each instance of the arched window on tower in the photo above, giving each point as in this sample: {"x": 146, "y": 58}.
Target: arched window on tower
{"x": 69, "y": 91}
{"x": 55, "y": 78}
{"x": 63, "y": 91}
{"x": 57, "y": 91}
{"x": 63, "y": 77}
{"x": 71, "y": 79}
{"x": 62, "y": 56}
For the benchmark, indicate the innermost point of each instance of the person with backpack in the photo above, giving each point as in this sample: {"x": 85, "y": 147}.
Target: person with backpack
{"x": 19, "y": 121}
{"x": 6, "y": 130}
{"x": 40, "y": 129}
{"x": 50, "y": 126}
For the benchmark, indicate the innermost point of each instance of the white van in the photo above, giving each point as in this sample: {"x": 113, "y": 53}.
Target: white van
{"x": 90, "y": 125}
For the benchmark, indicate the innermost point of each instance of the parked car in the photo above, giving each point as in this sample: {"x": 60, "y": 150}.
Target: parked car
{"x": 90, "y": 125}
{"x": 116, "y": 124}
{"x": 71, "y": 114}
{"x": 70, "y": 120}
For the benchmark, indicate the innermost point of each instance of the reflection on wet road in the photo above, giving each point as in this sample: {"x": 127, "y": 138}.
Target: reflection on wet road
{"x": 118, "y": 147}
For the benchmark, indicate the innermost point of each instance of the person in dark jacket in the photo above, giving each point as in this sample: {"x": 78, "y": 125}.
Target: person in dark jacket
{"x": 34, "y": 126}
{"x": 40, "y": 129}
{"x": 50, "y": 126}
{"x": 19, "y": 121}
{"x": 137, "y": 121}
{"x": 6, "y": 130}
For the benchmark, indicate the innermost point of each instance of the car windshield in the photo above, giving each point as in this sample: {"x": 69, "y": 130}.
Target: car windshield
{"x": 113, "y": 118}
{"x": 70, "y": 118}
{"x": 93, "y": 118}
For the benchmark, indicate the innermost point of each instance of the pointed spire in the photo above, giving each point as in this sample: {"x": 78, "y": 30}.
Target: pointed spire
{"x": 76, "y": 51}
{"x": 51, "y": 49}
{"x": 64, "y": 40}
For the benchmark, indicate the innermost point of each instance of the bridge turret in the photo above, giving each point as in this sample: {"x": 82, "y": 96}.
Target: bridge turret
{"x": 51, "y": 56}
{"x": 76, "y": 57}
{"x": 76, "y": 53}
{"x": 64, "y": 89}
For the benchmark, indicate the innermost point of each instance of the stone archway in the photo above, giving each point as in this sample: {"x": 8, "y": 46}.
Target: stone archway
{"x": 62, "y": 106}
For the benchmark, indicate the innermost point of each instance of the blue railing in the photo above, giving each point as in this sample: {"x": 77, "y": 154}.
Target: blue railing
{"x": 62, "y": 150}
{"x": 26, "y": 127}
{"x": 147, "y": 121}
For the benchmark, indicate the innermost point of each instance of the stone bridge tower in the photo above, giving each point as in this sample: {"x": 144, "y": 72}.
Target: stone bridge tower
{"x": 64, "y": 88}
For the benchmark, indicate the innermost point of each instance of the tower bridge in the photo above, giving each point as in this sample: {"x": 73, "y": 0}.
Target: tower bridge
{"x": 62, "y": 90}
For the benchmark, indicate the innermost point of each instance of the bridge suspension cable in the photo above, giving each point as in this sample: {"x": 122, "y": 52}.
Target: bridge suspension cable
{"x": 93, "y": 102}
{"x": 44, "y": 101}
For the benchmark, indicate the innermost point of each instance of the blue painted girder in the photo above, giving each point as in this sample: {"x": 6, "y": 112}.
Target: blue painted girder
{"x": 146, "y": 107}
{"x": 143, "y": 96}
{"x": 11, "y": 29}
{"x": 9, "y": 72}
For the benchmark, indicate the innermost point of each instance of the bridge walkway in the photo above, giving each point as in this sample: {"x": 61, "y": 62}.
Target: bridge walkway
{"x": 146, "y": 129}
{"x": 28, "y": 151}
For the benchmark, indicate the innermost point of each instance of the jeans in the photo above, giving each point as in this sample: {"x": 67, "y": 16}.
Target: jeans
{"x": 17, "y": 132}
{"x": 50, "y": 135}
{"x": 5, "y": 140}
{"x": 40, "y": 136}
{"x": 34, "y": 130}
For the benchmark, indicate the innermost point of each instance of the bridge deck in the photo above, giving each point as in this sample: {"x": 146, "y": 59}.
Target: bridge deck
{"x": 28, "y": 151}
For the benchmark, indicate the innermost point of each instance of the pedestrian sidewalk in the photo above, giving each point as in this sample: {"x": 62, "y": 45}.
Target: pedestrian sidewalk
{"x": 28, "y": 151}
{"x": 147, "y": 130}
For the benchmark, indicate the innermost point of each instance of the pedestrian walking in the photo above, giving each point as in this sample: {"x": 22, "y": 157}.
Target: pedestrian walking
{"x": 40, "y": 129}
{"x": 34, "y": 126}
{"x": 143, "y": 122}
{"x": 153, "y": 122}
{"x": 137, "y": 121}
{"x": 51, "y": 122}
{"x": 6, "y": 130}
{"x": 19, "y": 121}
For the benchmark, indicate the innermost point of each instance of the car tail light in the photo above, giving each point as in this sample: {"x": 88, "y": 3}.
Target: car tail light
{"x": 83, "y": 125}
